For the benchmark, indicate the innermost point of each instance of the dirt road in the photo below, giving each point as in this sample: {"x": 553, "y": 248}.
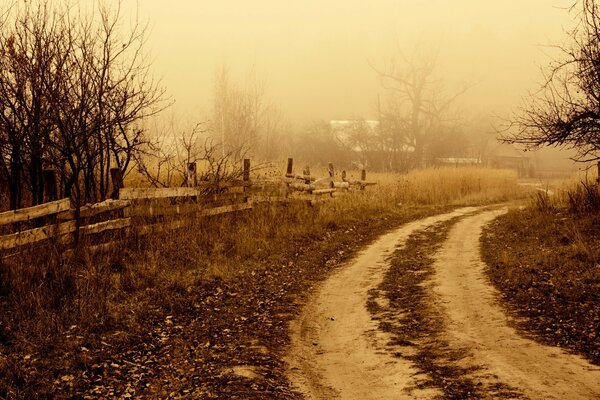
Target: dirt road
{"x": 476, "y": 322}
{"x": 338, "y": 352}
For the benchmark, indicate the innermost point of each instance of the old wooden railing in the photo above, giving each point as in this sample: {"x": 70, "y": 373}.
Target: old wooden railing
{"x": 141, "y": 211}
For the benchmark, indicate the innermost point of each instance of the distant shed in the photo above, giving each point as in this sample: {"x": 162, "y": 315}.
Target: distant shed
{"x": 509, "y": 157}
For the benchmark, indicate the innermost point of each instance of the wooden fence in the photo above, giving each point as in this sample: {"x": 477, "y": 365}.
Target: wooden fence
{"x": 141, "y": 211}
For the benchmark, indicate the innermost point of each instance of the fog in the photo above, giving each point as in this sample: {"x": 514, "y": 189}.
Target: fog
{"x": 314, "y": 56}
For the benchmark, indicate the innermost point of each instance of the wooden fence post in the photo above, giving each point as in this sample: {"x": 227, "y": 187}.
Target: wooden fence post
{"x": 363, "y": 178}
{"x": 306, "y": 174}
{"x": 192, "y": 177}
{"x": 246, "y": 170}
{"x": 246, "y": 177}
{"x": 290, "y": 168}
{"x": 331, "y": 170}
{"x": 117, "y": 182}
{"x": 50, "y": 188}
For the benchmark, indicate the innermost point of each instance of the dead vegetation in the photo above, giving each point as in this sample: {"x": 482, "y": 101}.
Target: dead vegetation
{"x": 172, "y": 312}
{"x": 545, "y": 259}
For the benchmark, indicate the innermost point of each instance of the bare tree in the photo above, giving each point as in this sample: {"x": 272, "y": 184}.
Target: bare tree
{"x": 417, "y": 107}
{"x": 73, "y": 92}
{"x": 28, "y": 47}
{"x": 243, "y": 117}
{"x": 164, "y": 162}
{"x": 566, "y": 110}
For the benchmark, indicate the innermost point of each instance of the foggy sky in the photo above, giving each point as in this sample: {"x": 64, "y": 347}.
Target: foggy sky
{"x": 314, "y": 54}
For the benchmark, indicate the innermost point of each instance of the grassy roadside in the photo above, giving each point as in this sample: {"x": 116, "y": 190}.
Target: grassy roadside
{"x": 546, "y": 263}
{"x": 175, "y": 315}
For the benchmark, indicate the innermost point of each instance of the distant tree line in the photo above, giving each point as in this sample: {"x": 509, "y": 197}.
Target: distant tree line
{"x": 74, "y": 89}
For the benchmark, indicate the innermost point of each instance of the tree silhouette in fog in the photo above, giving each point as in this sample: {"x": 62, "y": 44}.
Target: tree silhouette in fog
{"x": 566, "y": 109}
{"x": 417, "y": 107}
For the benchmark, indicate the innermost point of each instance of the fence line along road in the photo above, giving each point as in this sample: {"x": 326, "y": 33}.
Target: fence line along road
{"x": 141, "y": 211}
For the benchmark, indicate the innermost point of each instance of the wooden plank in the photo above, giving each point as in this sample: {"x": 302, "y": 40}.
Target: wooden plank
{"x": 99, "y": 227}
{"x": 300, "y": 186}
{"x": 223, "y": 184}
{"x": 95, "y": 209}
{"x": 42, "y": 210}
{"x": 36, "y": 235}
{"x": 158, "y": 210}
{"x": 161, "y": 193}
{"x": 323, "y": 191}
{"x": 225, "y": 209}
{"x": 341, "y": 185}
{"x": 157, "y": 193}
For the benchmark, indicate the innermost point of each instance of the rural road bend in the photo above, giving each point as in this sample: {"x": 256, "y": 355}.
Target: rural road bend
{"x": 337, "y": 350}
{"x": 475, "y": 321}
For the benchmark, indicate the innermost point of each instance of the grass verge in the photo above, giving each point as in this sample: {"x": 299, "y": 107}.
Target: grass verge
{"x": 546, "y": 263}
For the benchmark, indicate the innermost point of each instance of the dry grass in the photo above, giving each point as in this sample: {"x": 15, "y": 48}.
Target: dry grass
{"x": 577, "y": 194}
{"x": 547, "y": 265}
{"x": 52, "y": 306}
{"x": 545, "y": 259}
{"x": 458, "y": 186}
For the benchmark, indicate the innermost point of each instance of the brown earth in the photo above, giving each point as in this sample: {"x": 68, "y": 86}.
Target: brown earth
{"x": 476, "y": 321}
{"x": 337, "y": 350}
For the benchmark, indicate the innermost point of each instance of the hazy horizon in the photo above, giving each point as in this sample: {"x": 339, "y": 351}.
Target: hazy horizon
{"x": 314, "y": 56}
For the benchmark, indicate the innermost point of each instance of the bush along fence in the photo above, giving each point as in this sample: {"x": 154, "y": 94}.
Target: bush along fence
{"x": 141, "y": 211}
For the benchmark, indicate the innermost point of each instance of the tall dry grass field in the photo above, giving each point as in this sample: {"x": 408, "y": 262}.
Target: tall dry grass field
{"x": 458, "y": 186}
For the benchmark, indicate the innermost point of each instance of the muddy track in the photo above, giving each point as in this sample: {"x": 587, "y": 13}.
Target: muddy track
{"x": 338, "y": 351}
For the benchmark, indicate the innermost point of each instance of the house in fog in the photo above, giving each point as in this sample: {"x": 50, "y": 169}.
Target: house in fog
{"x": 458, "y": 162}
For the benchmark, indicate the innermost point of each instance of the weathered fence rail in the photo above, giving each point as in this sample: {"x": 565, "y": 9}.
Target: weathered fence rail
{"x": 141, "y": 211}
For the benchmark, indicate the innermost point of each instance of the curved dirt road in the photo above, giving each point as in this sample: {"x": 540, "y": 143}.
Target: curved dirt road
{"x": 475, "y": 321}
{"x": 338, "y": 352}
